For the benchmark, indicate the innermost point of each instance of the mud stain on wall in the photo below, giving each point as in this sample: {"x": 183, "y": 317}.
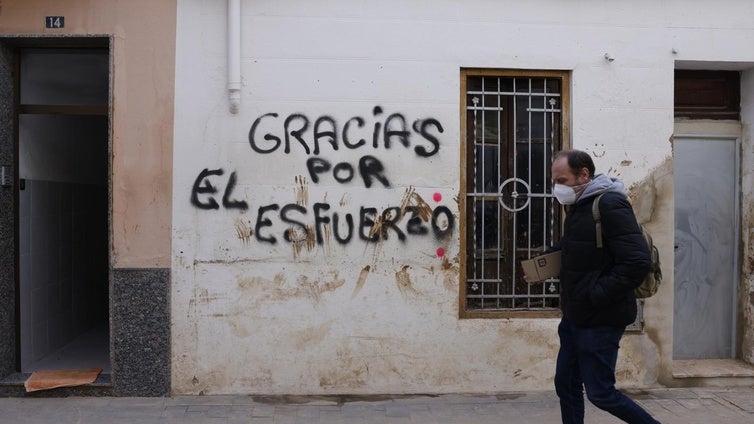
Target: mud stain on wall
{"x": 450, "y": 273}
{"x": 246, "y": 284}
{"x": 327, "y": 237}
{"x": 344, "y": 378}
{"x": 243, "y": 231}
{"x": 311, "y": 336}
{"x": 301, "y": 190}
{"x": 201, "y": 297}
{"x": 237, "y": 329}
{"x": 360, "y": 282}
{"x": 376, "y": 232}
{"x": 403, "y": 280}
{"x": 421, "y": 208}
{"x": 301, "y": 239}
{"x": 280, "y": 289}
{"x": 350, "y": 373}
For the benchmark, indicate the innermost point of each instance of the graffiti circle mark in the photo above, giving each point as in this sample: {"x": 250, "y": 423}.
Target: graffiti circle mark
{"x": 512, "y": 195}
{"x": 437, "y": 197}
{"x": 440, "y": 252}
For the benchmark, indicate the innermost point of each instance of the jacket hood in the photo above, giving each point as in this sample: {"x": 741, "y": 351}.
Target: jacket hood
{"x": 601, "y": 183}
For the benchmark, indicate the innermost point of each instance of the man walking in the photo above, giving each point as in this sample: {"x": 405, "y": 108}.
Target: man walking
{"x": 597, "y": 288}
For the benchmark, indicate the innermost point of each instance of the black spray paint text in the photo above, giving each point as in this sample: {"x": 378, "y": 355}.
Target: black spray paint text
{"x": 372, "y": 225}
{"x": 353, "y": 135}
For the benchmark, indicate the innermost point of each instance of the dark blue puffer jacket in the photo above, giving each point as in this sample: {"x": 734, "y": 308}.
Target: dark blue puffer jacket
{"x": 597, "y": 285}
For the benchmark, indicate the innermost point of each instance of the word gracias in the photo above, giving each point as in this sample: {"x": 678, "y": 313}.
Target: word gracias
{"x": 325, "y": 129}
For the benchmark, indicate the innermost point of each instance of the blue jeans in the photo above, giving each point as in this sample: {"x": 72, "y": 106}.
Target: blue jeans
{"x": 587, "y": 359}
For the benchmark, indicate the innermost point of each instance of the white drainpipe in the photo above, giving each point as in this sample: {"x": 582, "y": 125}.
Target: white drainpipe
{"x": 234, "y": 55}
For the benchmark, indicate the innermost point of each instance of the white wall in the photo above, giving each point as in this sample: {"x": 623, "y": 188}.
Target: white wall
{"x": 256, "y": 317}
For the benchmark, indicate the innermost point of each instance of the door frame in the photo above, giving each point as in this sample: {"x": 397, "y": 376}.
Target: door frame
{"x": 10, "y": 362}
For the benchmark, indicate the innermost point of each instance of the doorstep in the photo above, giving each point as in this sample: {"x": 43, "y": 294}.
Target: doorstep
{"x": 711, "y": 368}
{"x": 13, "y": 386}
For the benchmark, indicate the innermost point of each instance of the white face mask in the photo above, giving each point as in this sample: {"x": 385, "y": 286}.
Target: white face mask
{"x": 565, "y": 194}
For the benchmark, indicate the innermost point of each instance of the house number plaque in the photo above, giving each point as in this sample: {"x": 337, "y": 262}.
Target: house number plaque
{"x": 55, "y": 21}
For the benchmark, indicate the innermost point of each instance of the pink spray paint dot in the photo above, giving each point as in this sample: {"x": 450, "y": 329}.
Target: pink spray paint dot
{"x": 440, "y": 252}
{"x": 437, "y": 197}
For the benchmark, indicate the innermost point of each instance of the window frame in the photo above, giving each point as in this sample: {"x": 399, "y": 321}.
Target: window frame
{"x": 565, "y": 131}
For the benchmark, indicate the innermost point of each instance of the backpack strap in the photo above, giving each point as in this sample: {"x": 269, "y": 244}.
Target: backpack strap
{"x": 597, "y": 219}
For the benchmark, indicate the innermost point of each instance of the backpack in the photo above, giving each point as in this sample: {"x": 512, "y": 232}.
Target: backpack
{"x": 651, "y": 282}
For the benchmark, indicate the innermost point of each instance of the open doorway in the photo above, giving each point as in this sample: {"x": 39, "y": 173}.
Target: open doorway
{"x": 62, "y": 158}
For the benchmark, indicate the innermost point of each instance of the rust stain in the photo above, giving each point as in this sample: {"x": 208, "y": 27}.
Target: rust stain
{"x": 301, "y": 191}
{"x": 403, "y": 280}
{"x": 360, "y": 282}
{"x": 626, "y": 162}
{"x": 345, "y": 199}
{"x": 243, "y": 231}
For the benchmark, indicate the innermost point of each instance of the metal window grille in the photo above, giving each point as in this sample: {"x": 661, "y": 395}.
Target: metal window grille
{"x": 513, "y": 130}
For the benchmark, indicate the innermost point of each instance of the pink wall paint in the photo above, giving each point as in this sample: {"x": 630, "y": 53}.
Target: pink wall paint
{"x": 142, "y": 78}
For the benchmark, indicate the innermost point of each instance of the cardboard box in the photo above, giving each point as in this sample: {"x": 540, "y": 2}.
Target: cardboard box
{"x": 542, "y": 267}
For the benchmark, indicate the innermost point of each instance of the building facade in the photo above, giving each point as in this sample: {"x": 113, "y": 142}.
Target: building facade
{"x": 328, "y": 197}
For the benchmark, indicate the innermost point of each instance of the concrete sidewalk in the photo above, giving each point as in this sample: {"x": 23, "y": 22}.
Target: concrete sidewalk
{"x": 670, "y": 406}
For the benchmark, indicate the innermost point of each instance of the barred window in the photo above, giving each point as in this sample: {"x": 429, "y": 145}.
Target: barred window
{"x": 513, "y": 122}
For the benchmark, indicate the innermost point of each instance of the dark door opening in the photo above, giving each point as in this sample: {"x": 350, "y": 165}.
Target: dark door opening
{"x": 62, "y": 162}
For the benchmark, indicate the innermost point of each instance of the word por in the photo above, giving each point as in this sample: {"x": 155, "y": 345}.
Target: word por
{"x": 369, "y": 167}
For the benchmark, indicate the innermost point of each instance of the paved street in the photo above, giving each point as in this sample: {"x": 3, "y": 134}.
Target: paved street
{"x": 670, "y": 406}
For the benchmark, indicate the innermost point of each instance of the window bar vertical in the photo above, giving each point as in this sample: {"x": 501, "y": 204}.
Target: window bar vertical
{"x": 513, "y": 214}
{"x": 550, "y": 199}
{"x": 529, "y": 143}
{"x": 475, "y": 100}
{"x": 483, "y": 246}
{"x": 500, "y": 214}
{"x": 545, "y": 140}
